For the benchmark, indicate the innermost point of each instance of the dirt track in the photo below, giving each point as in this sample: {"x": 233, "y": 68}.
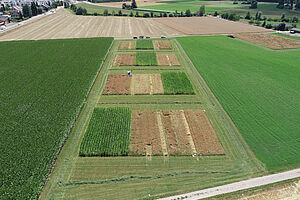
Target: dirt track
{"x": 65, "y": 25}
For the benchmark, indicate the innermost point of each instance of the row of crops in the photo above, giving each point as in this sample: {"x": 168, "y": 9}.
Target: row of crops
{"x": 108, "y": 133}
{"x": 43, "y": 85}
{"x": 145, "y": 59}
{"x": 144, "y": 44}
{"x": 176, "y": 83}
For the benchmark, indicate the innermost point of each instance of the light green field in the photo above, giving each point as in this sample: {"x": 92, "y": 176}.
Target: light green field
{"x": 260, "y": 90}
{"x": 145, "y": 58}
{"x": 144, "y": 44}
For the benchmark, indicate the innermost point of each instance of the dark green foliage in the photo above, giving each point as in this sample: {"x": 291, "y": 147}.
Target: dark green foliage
{"x": 176, "y": 83}
{"x": 26, "y": 11}
{"x": 81, "y": 11}
{"x": 248, "y": 16}
{"x": 188, "y": 13}
{"x": 144, "y": 44}
{"x": 145, "y": 59}
{"x": 259, "y": 89}
{"x": 41, "y": 92}
{"x": 253, "y": 4}
{"x": 133, "y": 4}
{"x": 202, "y": 10}
{"x": 33, "y": 9}
{"x": 108, "y": 133}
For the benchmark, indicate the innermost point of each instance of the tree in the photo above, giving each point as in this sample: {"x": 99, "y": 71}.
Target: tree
{"x": 297, "y": 6}
{"x": 264, "y": 24}
{"x": 39, "y": 11}
{"x": 133, "y": 4}
{"x": 137, "y": 14}
{"x": 105, "y": 12}
{"x": 248, "y": 16}
{"x": 280, "y": 4}
{"x": 151, "y": 14}
{"x": 258, "y": 15}
{"x": 282, "y": 16}
{"x": 188, "y": 13}
{"x": 26, "y": 11}
{"x": 202, "y": 10}
{"x": 131, "y": 14}
{"x": 216, "y": 13}
{"x": 20, "y": 15}
{"x": 253, "y": 4}
{"x": 165, "y": 15}
{"x": 292, "y": 4}
{"x": 120, "y": 13}
{"x": 33, "y": 9}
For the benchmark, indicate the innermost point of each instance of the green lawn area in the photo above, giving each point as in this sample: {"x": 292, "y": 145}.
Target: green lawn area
{"x": 146, "y": 59}
{"x": 176, "y": 83}
{"x": 259, "y": 89}
{"x": 43, "y": 85}
{"x": 144, "y": 44}
{"x": 91, "y": 9}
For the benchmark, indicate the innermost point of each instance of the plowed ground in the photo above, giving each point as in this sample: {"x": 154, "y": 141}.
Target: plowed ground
{"x": 145, "y": 133}
{"x": 117, "y": 84}
{"x": 270, "y": 41}
{"x": 127, "y": 45}
{"x": 167, "y": 59}
{"x": 204, "y": 136}
{"x": 162, "y": 44}
{"x": 124, "y": 60}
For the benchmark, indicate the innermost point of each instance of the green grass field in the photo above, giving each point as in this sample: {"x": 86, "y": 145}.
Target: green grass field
{"x": 144, "y": 44}
{"x": 145, "y": 59}
{"x": 176, "y": 83}
{"x": 259, "y": 89}
{"x": 43, "y": 85}
{"x": 108, "y": 133}
{"x": 91, "y": 9}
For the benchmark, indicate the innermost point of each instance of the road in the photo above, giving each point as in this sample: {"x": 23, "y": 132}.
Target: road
{"x": 242, "y": 185}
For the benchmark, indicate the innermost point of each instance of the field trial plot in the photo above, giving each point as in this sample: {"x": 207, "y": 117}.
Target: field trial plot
{"x": 270, "y": 41}
{"x": 162, "y": 45}
{"x": 124, "y": 60}
{"x": 169, "y": 59}
{"x": 127, "y": 45}
{"x": 117, "y": 84}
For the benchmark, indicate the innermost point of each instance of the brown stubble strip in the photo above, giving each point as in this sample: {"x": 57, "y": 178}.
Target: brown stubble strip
{"x": 167, "y": 59}
{"x": 204, "y": 136}
{"x": 127, "y": 45}
{"x": 157, "y": 84}
{"x": 117, "y": 84}
{"x": 144, "y": 137}
{"x": 161, "y": 45}
{"x": 141, "y": 83}
{"x": 124, "y": 60}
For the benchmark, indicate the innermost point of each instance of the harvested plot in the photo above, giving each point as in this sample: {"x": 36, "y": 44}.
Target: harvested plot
{"x": 167, "y": 59}
{"x": 144, "y": 44}
{"x": 144, "y": 137}
{"x": 270, "y": 41}
{"x": 124, "y": 60}
{"x": 127, "y": 45}
{"x": 108, "y": 133}
{"x": 176, "y": 83}
{"x": 145, "y": 59}
{"x": 146, "y": 84}
{"x": 117, "y": 84}
{"x": 162, "y": 44}
{"x": 204, "y": 136}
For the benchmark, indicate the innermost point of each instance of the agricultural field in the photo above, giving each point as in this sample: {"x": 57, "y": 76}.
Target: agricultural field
{"x": 144, "y": 44}
{"x": 259, "y": 89}
{"x": 145, "y": 59}
{"x": 42, "y": 92}
{"x": 108, "y": 133}
{"x": 176, "y": 83}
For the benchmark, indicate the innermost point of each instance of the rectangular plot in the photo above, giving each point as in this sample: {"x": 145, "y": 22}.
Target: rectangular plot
{"x": 144, "y": 44}
{"x": 162, "y": 44}
{"x": 204, "y": 136}
{"x": 127, "y": 45}
{"x": 156, "y": 83}
{"x": 124, "y": 60}
{"x": 176, "y": 83}
{"x": 146, "y": 59}
{"x": 117, "y": 84}
{"x": 167, "y": 59}
{"x": 140, "y": 84}
{"x": 144, "y": 138}
{"x": 108, "y": 133}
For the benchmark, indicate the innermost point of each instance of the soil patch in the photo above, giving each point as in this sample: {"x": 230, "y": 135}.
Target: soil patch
{"x": 127, "y": 45}
{"x": 124, "y": 60}
{"x": 270, "y": 41}
{"x": 204, "y": 136}
{"x": 157, "y": 85}
{"x": 146, "y": 84}
{"x": 167, "y": 59}
{"x": 117, "y": 84}
{"x": 162, "y": 44}
{"x": 144, "y": 137}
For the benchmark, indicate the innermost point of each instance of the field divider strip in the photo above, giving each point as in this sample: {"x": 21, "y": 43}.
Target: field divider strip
{"x": 188, "y": 132}
{"x": 122, "y": 103}
{"x": 162, "y": 134}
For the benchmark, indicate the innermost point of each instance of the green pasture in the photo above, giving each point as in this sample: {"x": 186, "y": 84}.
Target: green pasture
{"x": 146, "y": 59}
{"x": 260, "y": 90}
{"x": 144, "y": 44}
{"x": 176, "y": 83}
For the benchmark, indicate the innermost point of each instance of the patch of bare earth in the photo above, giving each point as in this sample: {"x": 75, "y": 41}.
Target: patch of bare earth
{"x": 144, "y": 136}
{"x": 127, "y": 45}
{"x": 124, "y": 60}
{"x": 208, "y": 26}
{"x": 157, "y": 85}
{"x": 146, "y": 84}
{"x": 162, "y": 44}
{"x": 270, "y": 41}
{"x": 204, "y": 136}
{"x": 117, "y": 84}
{"x": 167, "y": 59}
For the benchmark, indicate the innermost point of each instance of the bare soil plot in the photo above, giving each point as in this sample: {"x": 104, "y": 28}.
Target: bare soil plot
{"x": 167, "y": 59}
{"x": 208, "y": 26}
{"x": 144, "y": 137}
{"x": 146, "y": 84}
{"x": 124, "y": 60}
{"x": 117, "y": 84}
{"x": 162, "y": 44}
{"x": 204, "y": 136}
{"x": 156, "y": 85}
{"x": 127, "y": 45}
{"x": 270, "y": 41}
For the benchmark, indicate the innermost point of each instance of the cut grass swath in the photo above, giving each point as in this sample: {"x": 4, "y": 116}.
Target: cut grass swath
{"x": 108, "y": 133}
{"x": 144, "y": 44}
{"x": 176, "y": 83}
{"x": 145, "y": 59}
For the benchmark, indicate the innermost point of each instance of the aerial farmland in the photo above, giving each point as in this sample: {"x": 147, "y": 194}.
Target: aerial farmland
{"x": 164, "y": 105}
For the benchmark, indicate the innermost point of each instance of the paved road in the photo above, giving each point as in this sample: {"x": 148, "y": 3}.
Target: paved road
{"x": 242, "y": 185}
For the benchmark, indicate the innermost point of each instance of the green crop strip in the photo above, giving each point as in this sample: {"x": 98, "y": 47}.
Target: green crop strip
{"x": 144, "y": 44}
{"x": 145, "y": 59}
{"x": 108, "y": 133}
{"x": 43, "y": 85}
{"x": 176, "y": 83}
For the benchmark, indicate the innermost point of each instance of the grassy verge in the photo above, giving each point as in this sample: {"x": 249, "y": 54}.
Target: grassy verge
{"x": 176, "y": 83}
{"x": 145, "y": 59}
